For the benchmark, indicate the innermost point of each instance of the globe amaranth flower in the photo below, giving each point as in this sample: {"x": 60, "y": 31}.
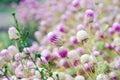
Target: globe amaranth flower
{"x": 73, "y": 55}
{"x": 13, "y": 33}
{"x": 113, "y": 75}
{"x": 82, "y": 35}
{"x": 79, "y": 77}
{"x": 62, "y": 52}
{"x": 55, "y": 38}
{"x": 89, "y": 15}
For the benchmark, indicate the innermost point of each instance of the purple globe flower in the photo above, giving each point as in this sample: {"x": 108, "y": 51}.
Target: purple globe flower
{"x": 113, "y": 75}
{"x": 62, "y": 52}
{"x": 87, "y": 67}
{"x": 116, "y": 26}
{"x": 89, "y": 13}
{"x": 73, "y": 40}
{"x": 111, "y": 31}
{"x": 52, "y": 36}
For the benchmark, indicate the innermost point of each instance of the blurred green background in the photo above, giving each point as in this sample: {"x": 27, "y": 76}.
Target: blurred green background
{"x": 6, "y": 20}
{"x": 8, "y": 1}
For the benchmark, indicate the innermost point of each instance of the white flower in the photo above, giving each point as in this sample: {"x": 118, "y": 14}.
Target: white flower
{"x": 102, "y": 77}
{"x": 85, "y": 58}
{"x": 93, "y": 59}
{"x": 73, "y": 55}
{"x": 82, "y": 35}
{"x": 68, "y": 77}
{"x": 50, "y": 78}
{"x": 13, "y": 33}
{"x": 79, "y": 77}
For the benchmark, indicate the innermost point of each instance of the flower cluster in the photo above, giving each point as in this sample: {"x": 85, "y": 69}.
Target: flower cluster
{"x": 76, "y": 40}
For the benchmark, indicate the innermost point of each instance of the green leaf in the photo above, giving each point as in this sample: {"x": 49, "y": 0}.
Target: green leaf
{"x": 50, "y": 74}
{"x": 26, "y": 36}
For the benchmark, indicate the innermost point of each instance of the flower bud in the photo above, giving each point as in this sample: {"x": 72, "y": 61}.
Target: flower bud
{"x": 82, "y": 35}
{"x": 13, "y": 33}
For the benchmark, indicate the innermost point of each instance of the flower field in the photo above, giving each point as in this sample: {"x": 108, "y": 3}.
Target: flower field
{"x": 63, "y": 40}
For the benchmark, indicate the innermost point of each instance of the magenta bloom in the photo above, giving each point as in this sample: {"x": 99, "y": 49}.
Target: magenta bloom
{"x": 73, "y": 40}
{"x": 62, "y": 52}
{"x": 113, "y": 75}
{"x": 89, "y": 13}
{"x": 116, "y": 26}
{"x": 52, "y": 36}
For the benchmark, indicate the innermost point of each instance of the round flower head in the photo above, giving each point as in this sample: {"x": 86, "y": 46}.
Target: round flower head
{"x": 79, "y": 77}
{"x": 113, "y": 75}
{"x": 96, "y": 53}
{"x": 13, "y": 33}
{"x": 63, "y": 62}
{"x": 12, "y": 49}
{"x": 87, "y": 67}
{"x": 82, "y": 35}
{"x": 17, "y": 56}
{"x": 61, "y": 28}
{"x": 102, "y": 77}
{"x": 80, "y": 50}
{"x": 46, "y": 54}
{"x": 73, "y": 55}
{"x": 116, "y": 26}
{"x": 62, "y": 52}
{"x": 89, "y": 15}
{"x": 6, "y": 55}
{"x": 55, "y": 38}
{"x": 76, "y": 3}
{"x": 85, "y": 58}
{"x": 111, "y": 31}
{"x": 73, "y": 40}
{"x": 52, "y": 36}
